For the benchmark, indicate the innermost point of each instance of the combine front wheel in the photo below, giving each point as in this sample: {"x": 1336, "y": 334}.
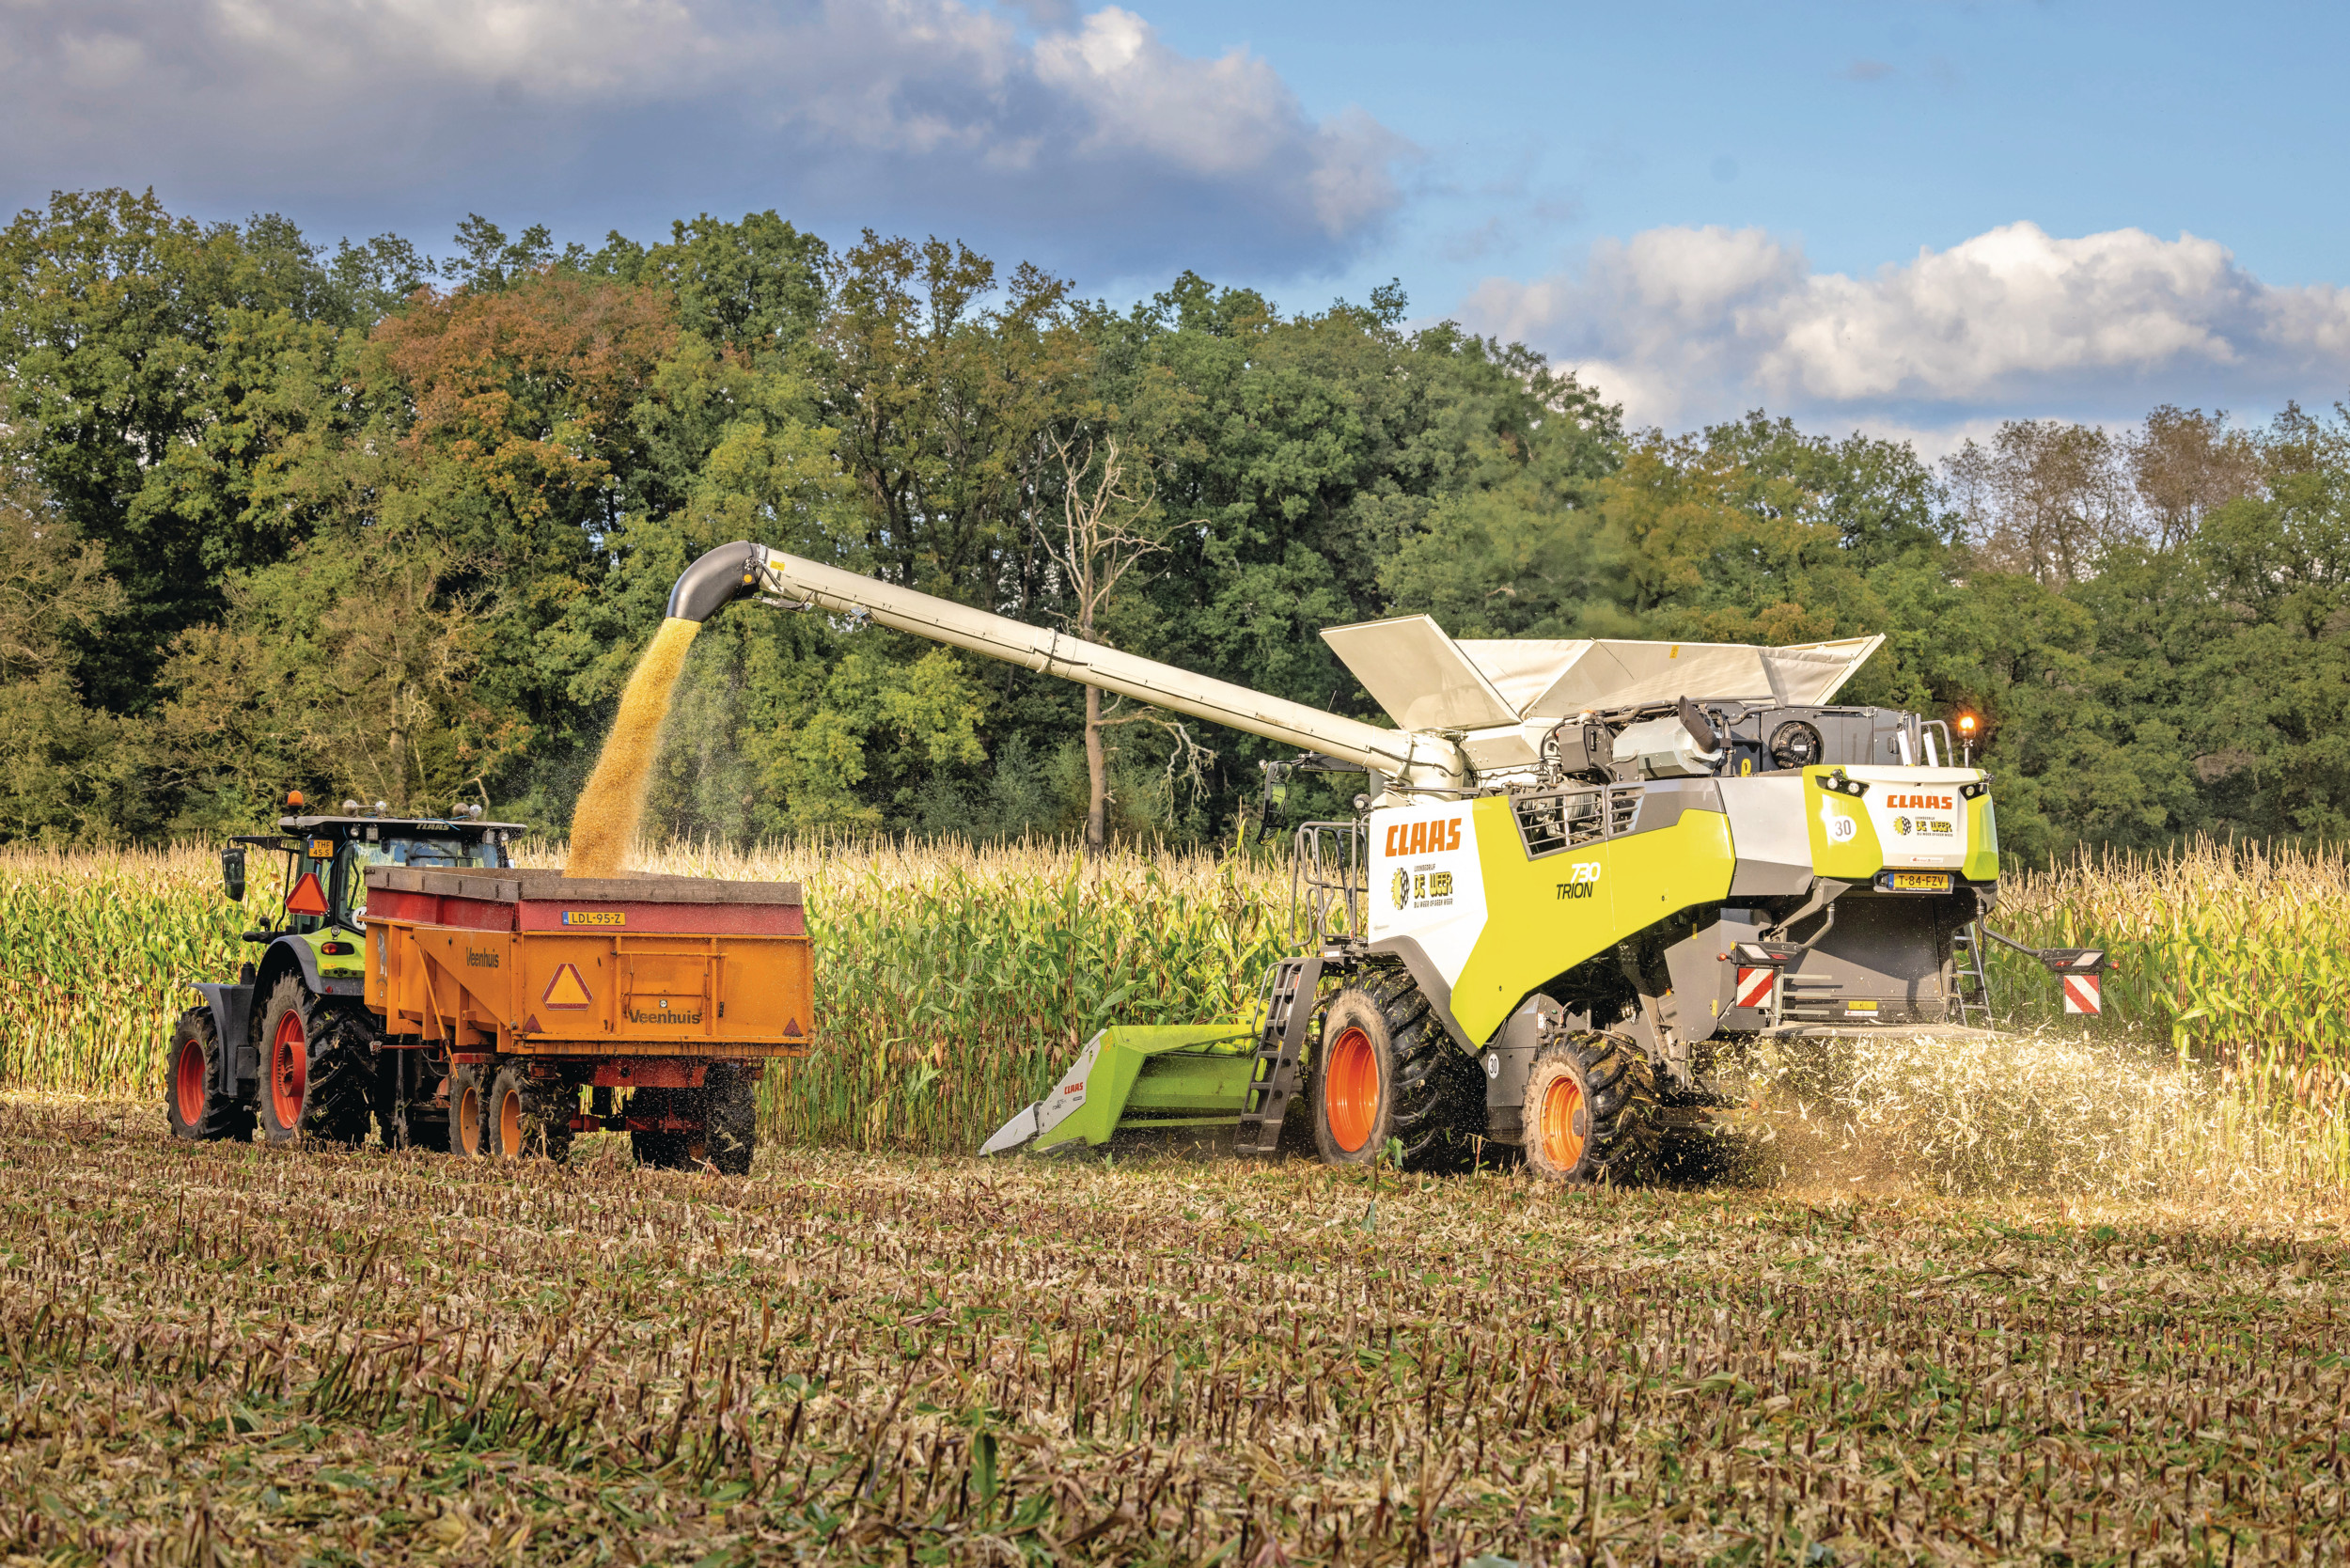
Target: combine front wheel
{"x": 311, "y": 1088}
{"x": 199, "y": 1111}
{"x": 1590, "y": 1110}
{"x": 1385, "y": 1070}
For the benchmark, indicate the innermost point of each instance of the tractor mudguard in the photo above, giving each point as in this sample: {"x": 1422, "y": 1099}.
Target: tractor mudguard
{"x": 233, "y": 1013}
{"x": 291, "y": 951}
{"x": 1136, "y": 1078}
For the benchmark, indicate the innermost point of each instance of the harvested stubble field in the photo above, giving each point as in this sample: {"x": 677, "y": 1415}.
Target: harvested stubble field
{"x": 235, "y": 1353}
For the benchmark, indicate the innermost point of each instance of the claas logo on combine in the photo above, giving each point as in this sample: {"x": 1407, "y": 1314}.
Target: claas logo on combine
{"x": 1424, "y": 838}
{"x": 1917, "y": 803}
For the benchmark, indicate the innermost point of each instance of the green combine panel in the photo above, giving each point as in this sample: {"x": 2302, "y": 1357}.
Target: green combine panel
{"x": 1139, "y": 1078}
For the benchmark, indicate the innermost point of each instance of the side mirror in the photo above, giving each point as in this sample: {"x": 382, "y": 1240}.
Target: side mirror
{"x": 232, "y": 872}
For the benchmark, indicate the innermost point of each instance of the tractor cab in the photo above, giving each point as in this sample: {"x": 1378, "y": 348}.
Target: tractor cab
{"x": 323, "y": 888}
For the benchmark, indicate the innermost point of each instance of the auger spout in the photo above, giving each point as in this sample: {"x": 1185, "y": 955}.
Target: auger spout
{"x": 743, "y": 568}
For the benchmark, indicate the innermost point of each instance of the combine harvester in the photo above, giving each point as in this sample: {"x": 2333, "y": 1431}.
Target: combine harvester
{"x": 1581, "y": 870}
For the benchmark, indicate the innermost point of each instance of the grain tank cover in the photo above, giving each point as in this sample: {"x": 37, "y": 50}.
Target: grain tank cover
{"x": 1427, "y": 680}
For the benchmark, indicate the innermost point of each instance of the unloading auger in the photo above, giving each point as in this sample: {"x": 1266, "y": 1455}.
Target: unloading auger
{"x": 1582, "y": 867}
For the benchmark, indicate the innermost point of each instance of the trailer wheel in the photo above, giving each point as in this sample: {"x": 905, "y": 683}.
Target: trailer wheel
{"x": 468, "y": 1112}
{"x": 523, "y": 1116}
{"x": 199, "y": 1111}
{"x": 1590, "y": 1110}
{"x": 730, "y": 1106}
{"x": 1387, "y": 1070}
{"x": 314, "y": 1081}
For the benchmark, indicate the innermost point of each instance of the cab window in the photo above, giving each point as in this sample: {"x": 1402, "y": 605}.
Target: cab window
{"x": 428, "y": 851}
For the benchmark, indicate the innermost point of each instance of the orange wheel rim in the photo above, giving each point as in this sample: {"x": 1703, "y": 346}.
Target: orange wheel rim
{"x": 1562, "y": 1123}
{"x": 509, "y": 1123}
{"x": 187, "y": 1082}
{"x": 468, "y": 1119}
{"x": 288, "y": 1070}
{"x": 1349, "y": 1089}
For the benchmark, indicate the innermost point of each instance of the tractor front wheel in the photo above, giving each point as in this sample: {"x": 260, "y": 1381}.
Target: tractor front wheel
{"x": 1386, "y": 1071}
{"x": 199, "y": 1110}
{"x": 1590, "y": 1110}
{"x": 312, "y": 1086}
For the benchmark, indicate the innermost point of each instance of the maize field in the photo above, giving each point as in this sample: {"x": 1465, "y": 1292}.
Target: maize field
{"x": 952, "y": 981}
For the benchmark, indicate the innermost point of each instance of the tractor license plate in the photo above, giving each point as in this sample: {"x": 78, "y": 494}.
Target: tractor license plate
{"x": 1922, "y": 881}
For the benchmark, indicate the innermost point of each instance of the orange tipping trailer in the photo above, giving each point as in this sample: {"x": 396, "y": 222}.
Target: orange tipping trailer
{"x": 524, "y": 988}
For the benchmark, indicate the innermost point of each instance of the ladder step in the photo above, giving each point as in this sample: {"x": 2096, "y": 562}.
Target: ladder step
{"x": 1272, "y": 1074}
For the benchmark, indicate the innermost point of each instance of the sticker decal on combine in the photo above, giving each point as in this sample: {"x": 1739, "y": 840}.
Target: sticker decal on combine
{"x": 1425, "y": 882}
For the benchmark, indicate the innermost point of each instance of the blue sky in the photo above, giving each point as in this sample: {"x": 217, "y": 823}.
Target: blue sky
{"x": 1913, "y": 218}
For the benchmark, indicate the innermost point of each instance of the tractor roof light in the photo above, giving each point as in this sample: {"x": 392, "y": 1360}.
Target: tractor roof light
{"x": 1969, "y": 724}
{"x": 293, "y": 798}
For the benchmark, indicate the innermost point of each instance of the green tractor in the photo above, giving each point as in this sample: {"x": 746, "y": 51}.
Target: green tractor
{"x": 290, "y": 1045}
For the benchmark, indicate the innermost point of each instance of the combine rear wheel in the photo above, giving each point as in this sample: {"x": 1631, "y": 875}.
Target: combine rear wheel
{"x": 314, "y": 1078}
{"x": 1591, "y": 1111}
{"x": 199, "y": 1111}
{"x": 1385, "y": 1070}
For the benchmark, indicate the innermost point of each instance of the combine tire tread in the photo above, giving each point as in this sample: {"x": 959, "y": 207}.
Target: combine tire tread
{"x": 1607, "y": 1086}
{"x": 1431, "y": 1097}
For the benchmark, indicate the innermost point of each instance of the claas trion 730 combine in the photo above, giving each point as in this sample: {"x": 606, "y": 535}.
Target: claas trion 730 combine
{"x": 1580, "y": 869}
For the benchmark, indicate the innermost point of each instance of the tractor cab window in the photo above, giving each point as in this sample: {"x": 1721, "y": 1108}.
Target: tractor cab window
{"x": 437, "y": 851}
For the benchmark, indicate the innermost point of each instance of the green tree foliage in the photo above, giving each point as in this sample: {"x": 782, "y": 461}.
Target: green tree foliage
{"x": 370, "y": 525}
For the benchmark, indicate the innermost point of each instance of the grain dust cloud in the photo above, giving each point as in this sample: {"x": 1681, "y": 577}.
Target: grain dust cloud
{"x": 604, "y": 823}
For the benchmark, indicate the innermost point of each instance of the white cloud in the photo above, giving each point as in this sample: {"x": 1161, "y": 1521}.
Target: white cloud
{"x": 879, "y": 110}
{"x": 1688, "y": 324}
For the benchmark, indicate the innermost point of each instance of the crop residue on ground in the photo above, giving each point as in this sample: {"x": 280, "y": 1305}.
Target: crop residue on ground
{"x": 241, "y": 1353}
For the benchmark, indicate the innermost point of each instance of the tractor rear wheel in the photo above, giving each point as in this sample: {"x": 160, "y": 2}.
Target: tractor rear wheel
{"x": 1590, "y": 1110}
{"x": 1385, "y": 1070}
{"x": 199, "y": 1111}
{"x": 314, "y": 1079}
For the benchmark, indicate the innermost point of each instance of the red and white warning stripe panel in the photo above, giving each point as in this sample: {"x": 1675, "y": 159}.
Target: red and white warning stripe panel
{"x": 1754, "y": 987}
{"x": 2080, "y": 993}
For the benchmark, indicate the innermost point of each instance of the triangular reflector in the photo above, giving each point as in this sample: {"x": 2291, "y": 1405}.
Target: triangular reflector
{"x": 532, "y": 1026}
{"x": 566, "y": 988}
{"x": 792, "y": 1029}
{"x": 307, "y": 897}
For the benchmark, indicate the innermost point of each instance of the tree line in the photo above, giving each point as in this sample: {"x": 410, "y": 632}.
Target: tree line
{"x": 384, "y": 526}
